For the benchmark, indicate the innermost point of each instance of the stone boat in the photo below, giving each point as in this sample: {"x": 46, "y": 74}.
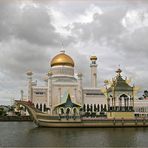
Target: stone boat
{"x": 46, "y": 120}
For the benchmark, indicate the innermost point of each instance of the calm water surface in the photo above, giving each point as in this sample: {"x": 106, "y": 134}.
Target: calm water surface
{"x": 26, "y": 134}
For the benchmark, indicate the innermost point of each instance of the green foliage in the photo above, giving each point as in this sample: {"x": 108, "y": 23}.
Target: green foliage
{"x": 2, "y": 112}
{"x": 145, "y": 94}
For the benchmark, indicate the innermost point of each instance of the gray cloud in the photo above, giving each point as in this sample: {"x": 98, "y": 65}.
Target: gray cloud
{"x": 126, "y": 48}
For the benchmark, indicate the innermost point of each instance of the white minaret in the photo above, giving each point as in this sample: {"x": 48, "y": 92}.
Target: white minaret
{"x": 80, "y": 87}
{"x": 29, "y": 75}
{"x": 49, "y": 101}
{"x": 93, "y": 67}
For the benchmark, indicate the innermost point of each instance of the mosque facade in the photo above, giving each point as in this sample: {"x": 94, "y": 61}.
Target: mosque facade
{"x": 64, "y": 91}
{"x": 62, "y": 81}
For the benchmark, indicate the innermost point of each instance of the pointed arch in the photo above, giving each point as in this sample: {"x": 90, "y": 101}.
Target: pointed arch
{"x": 68, "y": 110}
{"x": 75, "y": 111}
{"x": 61, "y": 110}
{"x": 124, "y": 100}
{"x": 40, "y": 107}
{"x": 37, "y": 106}
{"x": 44, "y": 107}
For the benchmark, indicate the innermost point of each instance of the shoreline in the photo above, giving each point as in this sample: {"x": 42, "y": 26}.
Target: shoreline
{"x": 15, "y": 118}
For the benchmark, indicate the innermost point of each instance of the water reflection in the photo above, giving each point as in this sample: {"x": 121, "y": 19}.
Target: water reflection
{"x": 26, "y": 134}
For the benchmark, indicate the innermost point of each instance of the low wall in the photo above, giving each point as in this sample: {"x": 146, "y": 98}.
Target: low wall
{"x": 120, "y": 115}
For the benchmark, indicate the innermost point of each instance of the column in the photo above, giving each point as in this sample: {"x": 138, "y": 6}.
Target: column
{"x": 60, "y": 95}
{"x": 49, "y": 93}
{"x": 80, "y": 97}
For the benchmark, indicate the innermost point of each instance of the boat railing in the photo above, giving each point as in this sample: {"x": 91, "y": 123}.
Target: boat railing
{"x": 57, "y": 117}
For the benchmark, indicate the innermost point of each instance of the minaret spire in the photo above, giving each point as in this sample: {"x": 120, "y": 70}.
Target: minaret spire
{"x": 118, "y": 71}
{"x": 62, "y": 49}
{"x": 93, "y": 67}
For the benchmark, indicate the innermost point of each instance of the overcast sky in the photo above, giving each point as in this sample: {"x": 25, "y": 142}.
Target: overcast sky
{"x": 32, "y": 32}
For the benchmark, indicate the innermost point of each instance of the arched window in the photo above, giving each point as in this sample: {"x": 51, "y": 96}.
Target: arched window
{"x": 124, "y": 99}
{"x": 44, "y": 107}
{"x": 95, "y": 108}
{"x": 98, "y": 108}
{"x": 40, "y": 107}
{"x": 84, "y": 107}
{"x": 68, "y": 111}
{"x": 62, "y": 111}
{"x": 37, "y": 106}
{"x": 74, "y": 111}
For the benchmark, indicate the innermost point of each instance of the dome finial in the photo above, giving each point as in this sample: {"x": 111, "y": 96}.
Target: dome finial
{"x": 93, "y": 58}
{"x": 118, "y": 71}
{"x": 62, "y": 51}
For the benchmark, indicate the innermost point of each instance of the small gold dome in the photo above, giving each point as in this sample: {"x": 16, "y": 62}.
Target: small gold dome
{"x": 118, "y": 71}
{"x": 29, "y": 73}
{"x": 93, "y": 58}
{"x": 62, "y": 59}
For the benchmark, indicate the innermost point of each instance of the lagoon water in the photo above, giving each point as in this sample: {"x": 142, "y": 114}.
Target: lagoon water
{"x": 26, "y": 134}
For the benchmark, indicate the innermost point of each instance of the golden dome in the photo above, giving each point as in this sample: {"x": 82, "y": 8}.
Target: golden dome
{"x": 93, "y": 58}
{"x": 62, "y": 59}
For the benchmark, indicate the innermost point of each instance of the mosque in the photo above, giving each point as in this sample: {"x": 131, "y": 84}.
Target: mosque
{"x": 64, "y": 90}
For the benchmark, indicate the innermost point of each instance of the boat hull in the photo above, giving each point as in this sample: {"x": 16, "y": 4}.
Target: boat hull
{"x": 46, "y": 120}
{"x": 93, "y": 123}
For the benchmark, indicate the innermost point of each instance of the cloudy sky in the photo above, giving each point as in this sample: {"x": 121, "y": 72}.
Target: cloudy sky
{"x": 32, "y": 32}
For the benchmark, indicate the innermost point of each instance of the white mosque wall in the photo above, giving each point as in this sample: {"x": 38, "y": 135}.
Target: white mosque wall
{"x": 58, "y": 92}
{"x": 39, "y": 95}
{"x": 139, "y": 104}
{"x": 62, "y": 70}
{"x": 94, "y": 99}
{"x": 93, "y": 96}
{"x": 141, "y": 108}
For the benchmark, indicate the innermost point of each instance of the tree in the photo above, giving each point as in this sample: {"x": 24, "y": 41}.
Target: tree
{"x": 145, "y": 95}
{"x": 2, "y": 112}
{"x": 11, "y": 109}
